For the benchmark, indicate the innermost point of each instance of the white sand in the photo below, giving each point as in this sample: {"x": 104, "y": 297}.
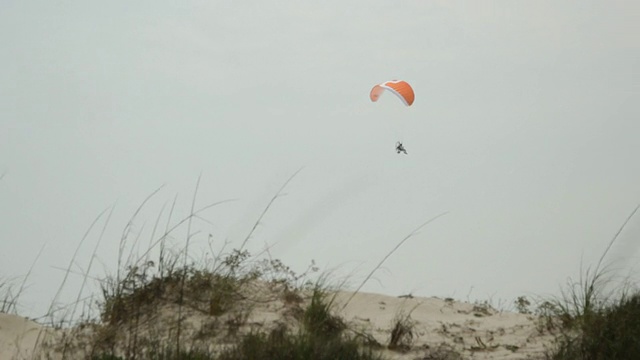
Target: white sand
{"x": 475, "y": 331}
{"x": 18, "y": 337}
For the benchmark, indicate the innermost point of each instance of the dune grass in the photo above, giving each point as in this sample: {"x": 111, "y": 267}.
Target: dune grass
{"x": 10, "y": 291}
{"x": 8, "y": 298}
{"x": 594, "y": 321}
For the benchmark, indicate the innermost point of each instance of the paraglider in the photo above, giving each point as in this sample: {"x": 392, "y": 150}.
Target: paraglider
{"x": 402, "y": 90}
{"x": 400, "y": 148}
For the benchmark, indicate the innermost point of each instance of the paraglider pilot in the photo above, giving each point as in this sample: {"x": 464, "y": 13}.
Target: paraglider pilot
{"x": 400, "y": 148}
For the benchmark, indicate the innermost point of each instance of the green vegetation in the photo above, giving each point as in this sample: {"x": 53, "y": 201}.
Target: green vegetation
{"x": 315, "y": 332}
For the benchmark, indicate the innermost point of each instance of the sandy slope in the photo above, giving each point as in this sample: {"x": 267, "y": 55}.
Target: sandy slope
{"x": 440, "y": 327}
{"x": 473, "y": 330}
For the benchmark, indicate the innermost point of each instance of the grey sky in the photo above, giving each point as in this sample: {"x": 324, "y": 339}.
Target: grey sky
{"x": 525, "y": 128}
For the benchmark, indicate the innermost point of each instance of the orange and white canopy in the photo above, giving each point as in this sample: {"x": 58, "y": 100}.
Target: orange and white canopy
{"x": 400, "y": 88}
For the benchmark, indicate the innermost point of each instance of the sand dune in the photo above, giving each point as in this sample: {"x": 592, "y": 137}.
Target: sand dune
{"x": 439, "y": 326}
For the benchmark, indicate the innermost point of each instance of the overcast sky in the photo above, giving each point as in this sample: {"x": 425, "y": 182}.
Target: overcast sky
{"x": 525, "y": 128}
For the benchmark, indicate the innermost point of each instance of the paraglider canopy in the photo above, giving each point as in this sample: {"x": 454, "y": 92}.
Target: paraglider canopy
{"x": 400, "y": 88}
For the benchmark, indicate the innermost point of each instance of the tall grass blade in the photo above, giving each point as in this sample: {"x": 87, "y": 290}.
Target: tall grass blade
{"x": 411, "y": 234}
